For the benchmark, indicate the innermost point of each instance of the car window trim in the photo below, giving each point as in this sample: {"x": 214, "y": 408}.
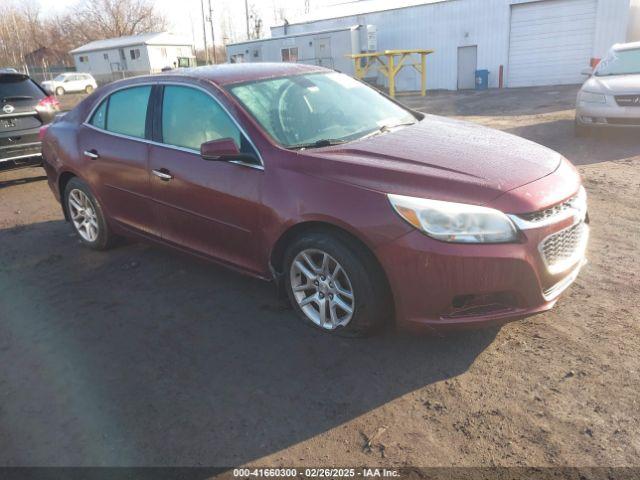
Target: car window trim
{"x": 174, "y": 147}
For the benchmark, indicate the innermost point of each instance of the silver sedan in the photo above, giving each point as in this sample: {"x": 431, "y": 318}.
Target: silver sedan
{"x": 611, "y": 95}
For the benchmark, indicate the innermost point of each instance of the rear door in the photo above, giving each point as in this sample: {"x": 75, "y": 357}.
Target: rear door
{"x": 212, "y": 208}
{"x": 19, "y": 120}
{"x": 115, "y": 149}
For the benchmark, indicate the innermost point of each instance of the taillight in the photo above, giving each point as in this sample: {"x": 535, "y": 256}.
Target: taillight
{"x": 50, "y": 103}
{"x": 43, "y": 131}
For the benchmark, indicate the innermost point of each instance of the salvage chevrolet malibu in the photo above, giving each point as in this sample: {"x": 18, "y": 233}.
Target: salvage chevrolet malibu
{"x": 362, "y": 211}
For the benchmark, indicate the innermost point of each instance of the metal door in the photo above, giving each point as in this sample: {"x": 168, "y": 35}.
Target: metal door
{"x": 467, "y": 66}
{"x": 323, "y": 52}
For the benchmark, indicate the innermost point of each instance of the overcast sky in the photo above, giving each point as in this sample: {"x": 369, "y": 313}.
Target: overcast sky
{"x": 185, "y": 14}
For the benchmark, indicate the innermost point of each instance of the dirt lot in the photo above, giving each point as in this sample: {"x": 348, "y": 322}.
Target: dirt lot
{"x": 142, "y": 356}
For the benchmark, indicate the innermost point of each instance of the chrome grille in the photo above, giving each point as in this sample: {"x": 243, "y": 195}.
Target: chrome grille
{"x": 563, "y": 249}
{"x": 549, "y": 212}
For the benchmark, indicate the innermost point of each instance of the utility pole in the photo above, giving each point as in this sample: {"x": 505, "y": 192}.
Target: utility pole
{"x": 204, "y": 31}
{"x": 213, "y": 38}
{"x": 246, "y": 14}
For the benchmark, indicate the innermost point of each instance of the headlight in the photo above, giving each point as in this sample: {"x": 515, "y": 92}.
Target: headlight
{"x": 455, "y": 222}
{"x": 589, "y": 97}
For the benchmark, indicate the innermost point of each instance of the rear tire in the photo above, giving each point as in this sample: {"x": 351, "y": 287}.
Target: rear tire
{"x": 355, "y": 295}
{"x": 86, "y": 216}
{"x": 88, "y": 89}
{"x": 59, "y": 91}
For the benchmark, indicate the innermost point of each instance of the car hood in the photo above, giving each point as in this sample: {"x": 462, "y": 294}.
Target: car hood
{"x": 614, "y": 85}
{"x": 439, "y": 158}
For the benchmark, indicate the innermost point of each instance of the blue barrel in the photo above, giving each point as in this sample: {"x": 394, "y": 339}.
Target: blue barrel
{"x": 482, "y": 79}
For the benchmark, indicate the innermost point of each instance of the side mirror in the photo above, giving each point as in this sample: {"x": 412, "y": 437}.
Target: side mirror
{"x": 224, "y": 150}
{"x": 587, "y": 71}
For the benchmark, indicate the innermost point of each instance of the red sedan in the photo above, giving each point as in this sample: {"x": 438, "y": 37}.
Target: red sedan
{"x": 363, "y": 211}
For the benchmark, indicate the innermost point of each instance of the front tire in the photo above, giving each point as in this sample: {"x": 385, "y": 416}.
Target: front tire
{"x": 335, "y": 285}
{"x": 59, "y": 91}
{"x": 86, "y": 216}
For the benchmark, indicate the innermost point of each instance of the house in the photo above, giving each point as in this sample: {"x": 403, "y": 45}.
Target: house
{"x": 44, "y": 63}
{"x": 521, "y": 42}
{"x": 141, "y": 54}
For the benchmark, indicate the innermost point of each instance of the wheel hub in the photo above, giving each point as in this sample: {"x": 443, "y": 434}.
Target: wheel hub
{"x": 322, "y": 289}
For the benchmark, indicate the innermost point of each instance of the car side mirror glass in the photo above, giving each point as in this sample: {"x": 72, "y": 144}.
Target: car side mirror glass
{"x": 587, "y": 71}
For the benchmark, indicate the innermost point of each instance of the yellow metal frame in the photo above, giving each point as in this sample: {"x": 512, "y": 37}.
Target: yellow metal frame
{"x": 391, "y": 67}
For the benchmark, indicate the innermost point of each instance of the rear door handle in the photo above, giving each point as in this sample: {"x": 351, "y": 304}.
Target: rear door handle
{"x": 162, "y": 174}
{"x": 93, "y": 154}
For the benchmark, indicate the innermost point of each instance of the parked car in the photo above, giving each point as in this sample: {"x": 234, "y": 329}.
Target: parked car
{"x": 24, "y": 108}
{"x": 362, "y": 210}
{"x": 610, "y": 98}
{"x": 71, "y": 83}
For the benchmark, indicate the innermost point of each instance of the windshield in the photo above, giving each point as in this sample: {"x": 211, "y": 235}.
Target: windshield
{"x": 318, "y": 108}
{"x": 621, "y": 62}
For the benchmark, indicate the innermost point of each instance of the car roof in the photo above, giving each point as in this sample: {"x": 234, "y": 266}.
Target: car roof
{"x": 229, "y": 73}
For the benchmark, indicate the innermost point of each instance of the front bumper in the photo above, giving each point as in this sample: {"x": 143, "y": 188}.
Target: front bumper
{"x": 438, "y": 285}
{"x": 608, "y": 114}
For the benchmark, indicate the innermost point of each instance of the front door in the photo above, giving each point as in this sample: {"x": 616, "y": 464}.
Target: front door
{"x": 210, "y": 207}
{"x": 116, "y": 157}
{"x": 323, "y": 52}
{"x": 467, "y": 66}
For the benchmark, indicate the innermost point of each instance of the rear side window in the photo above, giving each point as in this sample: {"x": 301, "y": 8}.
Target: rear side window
{"x": 127, "y": 111}
{"x": 19, "y": 87}
{"x": 190, "y": 117}
{"x": 99, "y": 118}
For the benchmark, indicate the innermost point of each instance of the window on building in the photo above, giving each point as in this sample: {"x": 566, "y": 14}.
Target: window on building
{"x": 83, "y": 59}
{"x": 105, "y": 56}
{"x": 135, "y": 53}
{"x": 290, "y": 54}
{"x": 237, "y": 58}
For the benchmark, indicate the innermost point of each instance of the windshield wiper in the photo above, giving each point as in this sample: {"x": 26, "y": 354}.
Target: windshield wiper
{"x": 16, "y": 97}
{"x": 325, "y": 142}
{"x": 387, "y": 128}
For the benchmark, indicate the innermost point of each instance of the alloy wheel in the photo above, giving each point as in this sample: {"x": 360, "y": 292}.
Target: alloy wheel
{"x": 83, "y": 215}
{"x": 322, "y": 289}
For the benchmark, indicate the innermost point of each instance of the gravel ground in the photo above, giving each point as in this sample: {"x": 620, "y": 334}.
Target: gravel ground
{"x": 143, "y": 356}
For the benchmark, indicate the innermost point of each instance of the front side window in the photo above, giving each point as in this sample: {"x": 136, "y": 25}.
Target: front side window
{"x": 620, "y": 62}
{"x": 304, "y": 109}
{"x": 190, "y": 117}
{"x": 124, "y": 112}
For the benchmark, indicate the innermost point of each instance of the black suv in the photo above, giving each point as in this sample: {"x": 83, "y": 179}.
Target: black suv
{"x": 24, "y": 108}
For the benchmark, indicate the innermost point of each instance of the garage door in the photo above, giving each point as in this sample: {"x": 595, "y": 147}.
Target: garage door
{"x": 551, "y": 42}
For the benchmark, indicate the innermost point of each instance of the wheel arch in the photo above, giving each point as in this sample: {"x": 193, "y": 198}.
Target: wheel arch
{"x": 276, "y": 258}
{"x": 63, "y": 180}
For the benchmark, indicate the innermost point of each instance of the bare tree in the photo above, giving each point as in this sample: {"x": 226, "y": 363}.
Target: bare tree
{"x": 22, "y": 28}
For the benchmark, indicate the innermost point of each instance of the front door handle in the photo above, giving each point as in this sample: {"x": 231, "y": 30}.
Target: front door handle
{"x": 92, "y": 154}
{"x": 162, "y": 174}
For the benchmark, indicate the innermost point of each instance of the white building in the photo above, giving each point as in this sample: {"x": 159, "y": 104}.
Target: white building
{"x": 327, "y": 48}
{"x": 134, "y": 55}
{"x": 536, "y": 42}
